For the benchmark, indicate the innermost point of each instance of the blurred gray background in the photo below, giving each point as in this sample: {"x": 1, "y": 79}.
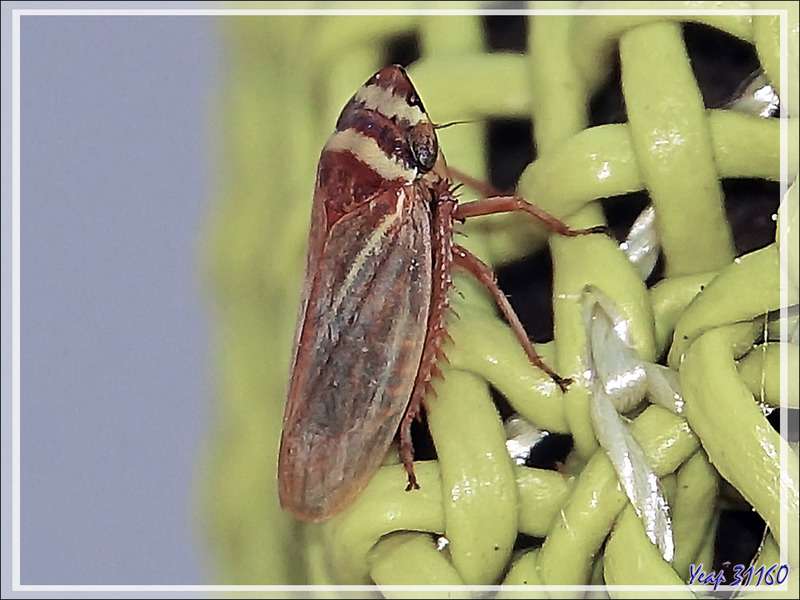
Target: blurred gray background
{"x": 116, "y": 385}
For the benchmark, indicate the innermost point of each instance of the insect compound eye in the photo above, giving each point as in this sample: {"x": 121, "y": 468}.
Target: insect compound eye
{"x": 425, "y": 148}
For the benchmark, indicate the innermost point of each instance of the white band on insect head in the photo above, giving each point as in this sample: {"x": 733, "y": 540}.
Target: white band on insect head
{"x": 389, "y": 104}
{"x": 367, "y": 151}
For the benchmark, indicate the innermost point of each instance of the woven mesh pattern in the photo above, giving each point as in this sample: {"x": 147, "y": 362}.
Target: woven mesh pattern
{"x": 289, "y": 77}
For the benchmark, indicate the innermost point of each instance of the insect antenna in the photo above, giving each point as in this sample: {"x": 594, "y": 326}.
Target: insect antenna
{"x": 451, "y": 123}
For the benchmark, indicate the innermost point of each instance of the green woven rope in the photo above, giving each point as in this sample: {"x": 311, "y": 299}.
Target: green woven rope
{"x": 289, "y": 77}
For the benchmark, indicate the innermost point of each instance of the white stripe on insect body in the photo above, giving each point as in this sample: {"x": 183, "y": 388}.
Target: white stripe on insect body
{"x": 367, "y": 151}
{"x": 389, "y": 104}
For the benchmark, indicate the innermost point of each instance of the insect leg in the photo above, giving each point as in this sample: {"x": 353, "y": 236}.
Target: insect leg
{"x": 471, "y": 263}
{"x": 407, "y": 448}
{"x": 501, "y": 204}
{"x": 441, "y": 246}
{"x": 496, "y": 201}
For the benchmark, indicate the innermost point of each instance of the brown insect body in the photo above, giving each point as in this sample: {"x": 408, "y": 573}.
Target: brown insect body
{"x": 373, "y": 308}
{"x": 372, "y": 317}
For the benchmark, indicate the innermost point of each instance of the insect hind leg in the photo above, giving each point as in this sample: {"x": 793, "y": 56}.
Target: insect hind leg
{"x": 478, "y": 269}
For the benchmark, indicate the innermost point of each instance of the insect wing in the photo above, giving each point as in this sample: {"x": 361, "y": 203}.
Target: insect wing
{"x": 358, "y": 353}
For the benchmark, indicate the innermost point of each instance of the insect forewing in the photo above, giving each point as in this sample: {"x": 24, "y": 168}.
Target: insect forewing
{"x": 365, "y": 311}
{"x": 358, "y": 354}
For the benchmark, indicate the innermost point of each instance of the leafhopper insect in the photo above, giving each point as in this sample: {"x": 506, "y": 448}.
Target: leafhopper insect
{"x": 372, "y": 317}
